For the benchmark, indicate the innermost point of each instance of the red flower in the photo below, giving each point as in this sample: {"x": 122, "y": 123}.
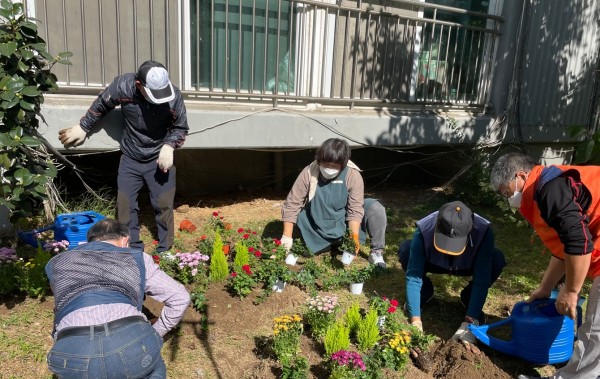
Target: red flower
{"x": 215, "y": 214}
{"x": 254, "y": 233}
{"x": 250, "y": 249}
{"x": 246, "y": 269}
{"x": 394, "y": 303}
{"x": 155, "y": 242}
{"x": 257, "y": 253}
{"x": 384, "y": 298}
{"x": 156, "y": 259}
{"x": 203, "y": 237}
{"x": 233, "y": 274}
{"x": 391, "y": 309}
{"x": 221, "y": 217}
{"x": 246, "y": 236}
{"x": 277, "y": 242}
{"x": 241, "y": 230}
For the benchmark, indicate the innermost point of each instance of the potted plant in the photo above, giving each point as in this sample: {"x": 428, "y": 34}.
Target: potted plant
{"x": 348, "y": 247}
{"x": 384, "y": 307}
{"x": 357, "y": 277}
{"x": 275, "y": 275}
{"x": 297, "y": 250}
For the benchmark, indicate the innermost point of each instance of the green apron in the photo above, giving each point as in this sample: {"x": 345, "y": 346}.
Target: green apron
{"x": 323, "y": 220}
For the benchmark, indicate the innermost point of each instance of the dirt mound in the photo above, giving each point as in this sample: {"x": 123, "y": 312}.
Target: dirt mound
{"x": 452, "y": 361}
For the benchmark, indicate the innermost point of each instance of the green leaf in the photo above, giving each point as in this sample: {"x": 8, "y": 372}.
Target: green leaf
{"x": 583, "y": 152}
{"x": 65, "y": 62}
{"x": 7, "y": 49}
{"x": 30, "y": 141}
{"x": 28, "y": 25}
{"x": 30, "y": 91}
{"x": 9, "y": 104}
{"x": 16, "y": 132}
{"x": 6, "y": 140}
{"x": 5, "y": 13}
{"x": 23, "y": 67}
{"x": 23, "y": 177}
{"x": 26, "y": 53}
{"x": 7, "y": 95}
{"x": 65, "y": 54}
{"x": 51, "y": 171}
{"x": 4, "y": 161}
{"x": 27, "y": 106}
{"x": 577, "y": 131}
{"x": 16, "y": 84}
{"x": 7, "y": 204}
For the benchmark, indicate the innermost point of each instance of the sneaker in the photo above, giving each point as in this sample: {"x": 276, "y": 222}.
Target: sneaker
{"x": 376, "y": 258}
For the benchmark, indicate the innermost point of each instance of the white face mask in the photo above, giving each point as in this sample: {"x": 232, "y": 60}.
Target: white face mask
{"x": 515, "y": 200}
{"x": 329, "y": 173}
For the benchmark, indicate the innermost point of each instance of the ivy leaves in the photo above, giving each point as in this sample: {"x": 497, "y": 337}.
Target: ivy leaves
{"x": 26, "y": 169}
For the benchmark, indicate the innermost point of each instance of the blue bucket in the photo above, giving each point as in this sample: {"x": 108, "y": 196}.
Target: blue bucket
{"x": 72, "y": 227}
{"x": 540, "y": 334}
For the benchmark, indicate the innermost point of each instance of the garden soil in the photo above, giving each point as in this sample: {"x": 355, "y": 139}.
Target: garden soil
{"x": 231, "y": 340}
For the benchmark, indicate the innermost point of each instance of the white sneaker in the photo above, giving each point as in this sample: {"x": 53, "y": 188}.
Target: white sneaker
{"x": 376, "y": 258}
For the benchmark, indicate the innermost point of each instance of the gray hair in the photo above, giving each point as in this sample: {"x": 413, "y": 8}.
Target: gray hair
{"x": 106, "y": 230}
{"x": 507, "y": 166}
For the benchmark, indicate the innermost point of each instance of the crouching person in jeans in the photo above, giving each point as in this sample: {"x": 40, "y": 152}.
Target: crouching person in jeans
{"x": 99, "y": 328}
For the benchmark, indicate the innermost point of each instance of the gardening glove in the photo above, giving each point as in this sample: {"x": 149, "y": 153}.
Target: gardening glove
{"x": 73, "y": 136}
{"x": 287, "y": 242}
{"x": 418, "y": 324}
{"x": 165, "y": 158}
{"x": 357, "y": 242}
{"x": 464, "y": 335}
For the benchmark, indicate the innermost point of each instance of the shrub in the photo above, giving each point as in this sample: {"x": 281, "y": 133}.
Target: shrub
{"x": 352, "y": 318}
{"x": 9, "y": 274}
{"x": 218, "y": 262}
{"x": 32, "y": 276}
{"x": 337, "y": 338}
{"x": 241, "y": 256}
{"x": 367, "y": 334}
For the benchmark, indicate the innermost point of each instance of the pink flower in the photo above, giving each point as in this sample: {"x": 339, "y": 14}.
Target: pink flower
{"x": 250, "y": 249}
{"x": 394, "y": 302}
{"x": 391, "y": 309}
{"x": 194, "y": 272}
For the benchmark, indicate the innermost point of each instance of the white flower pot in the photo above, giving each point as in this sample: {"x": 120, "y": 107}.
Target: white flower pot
{"x": 278, "y": 286}
{"x": 356, "y": 288}
{"x": 291, "y": 259}
{"x": 347, "y": 258}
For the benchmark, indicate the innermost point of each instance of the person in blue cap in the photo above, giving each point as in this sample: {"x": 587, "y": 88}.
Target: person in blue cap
{"x": 452, "y": 241}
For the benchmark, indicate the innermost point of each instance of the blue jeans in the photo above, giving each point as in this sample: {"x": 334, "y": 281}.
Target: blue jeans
{"x": 131, "y": 351}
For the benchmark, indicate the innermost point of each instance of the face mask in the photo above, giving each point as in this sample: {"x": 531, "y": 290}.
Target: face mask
{"x": 515, "y": 200}
{"x": 329, "y": 173}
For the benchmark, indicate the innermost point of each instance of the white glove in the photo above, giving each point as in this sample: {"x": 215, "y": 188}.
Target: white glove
{"x": 463, "y": 334}
{"x": 73, "y": 136}
{"x": 287, "y": 242}
{"x": 418, "y": 324}
{"x": 165, "y": 158}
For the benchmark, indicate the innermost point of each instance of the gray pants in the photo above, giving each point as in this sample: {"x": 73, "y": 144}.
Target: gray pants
{"x": 375, "y": 222}
{"x": 585, "y": 361}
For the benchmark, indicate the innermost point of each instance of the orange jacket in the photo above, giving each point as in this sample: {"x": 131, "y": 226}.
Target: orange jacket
{"x": 529, "y": 209}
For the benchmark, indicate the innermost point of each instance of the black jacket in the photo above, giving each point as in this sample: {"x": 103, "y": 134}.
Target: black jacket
{"x": 147, "y": 126}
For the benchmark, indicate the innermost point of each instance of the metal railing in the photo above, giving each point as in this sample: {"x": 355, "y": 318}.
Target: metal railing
{"x": 284, "y": 50}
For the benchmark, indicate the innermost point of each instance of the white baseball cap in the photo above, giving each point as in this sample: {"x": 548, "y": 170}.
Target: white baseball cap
{"x": 155, "y": 79}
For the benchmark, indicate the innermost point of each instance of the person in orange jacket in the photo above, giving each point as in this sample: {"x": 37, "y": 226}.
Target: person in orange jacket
{"x": 562, "y": 204}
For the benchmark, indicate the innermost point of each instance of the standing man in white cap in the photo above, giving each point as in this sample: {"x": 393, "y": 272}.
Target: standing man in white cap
{"x": 155, "y": 124}
{"x": 452, "y": 241}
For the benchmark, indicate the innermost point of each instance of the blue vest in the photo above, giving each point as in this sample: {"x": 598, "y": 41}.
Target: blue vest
{"x": 96, "y": 273}
{"x": 446, "y": 261}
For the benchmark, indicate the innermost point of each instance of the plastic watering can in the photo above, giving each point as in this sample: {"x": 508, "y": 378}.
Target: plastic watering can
{"x": 540, "y": 334}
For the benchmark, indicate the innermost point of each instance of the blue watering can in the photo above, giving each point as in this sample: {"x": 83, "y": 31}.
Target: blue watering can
{"x": 540, "y": 334}
{"x": 72, "y": 227}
